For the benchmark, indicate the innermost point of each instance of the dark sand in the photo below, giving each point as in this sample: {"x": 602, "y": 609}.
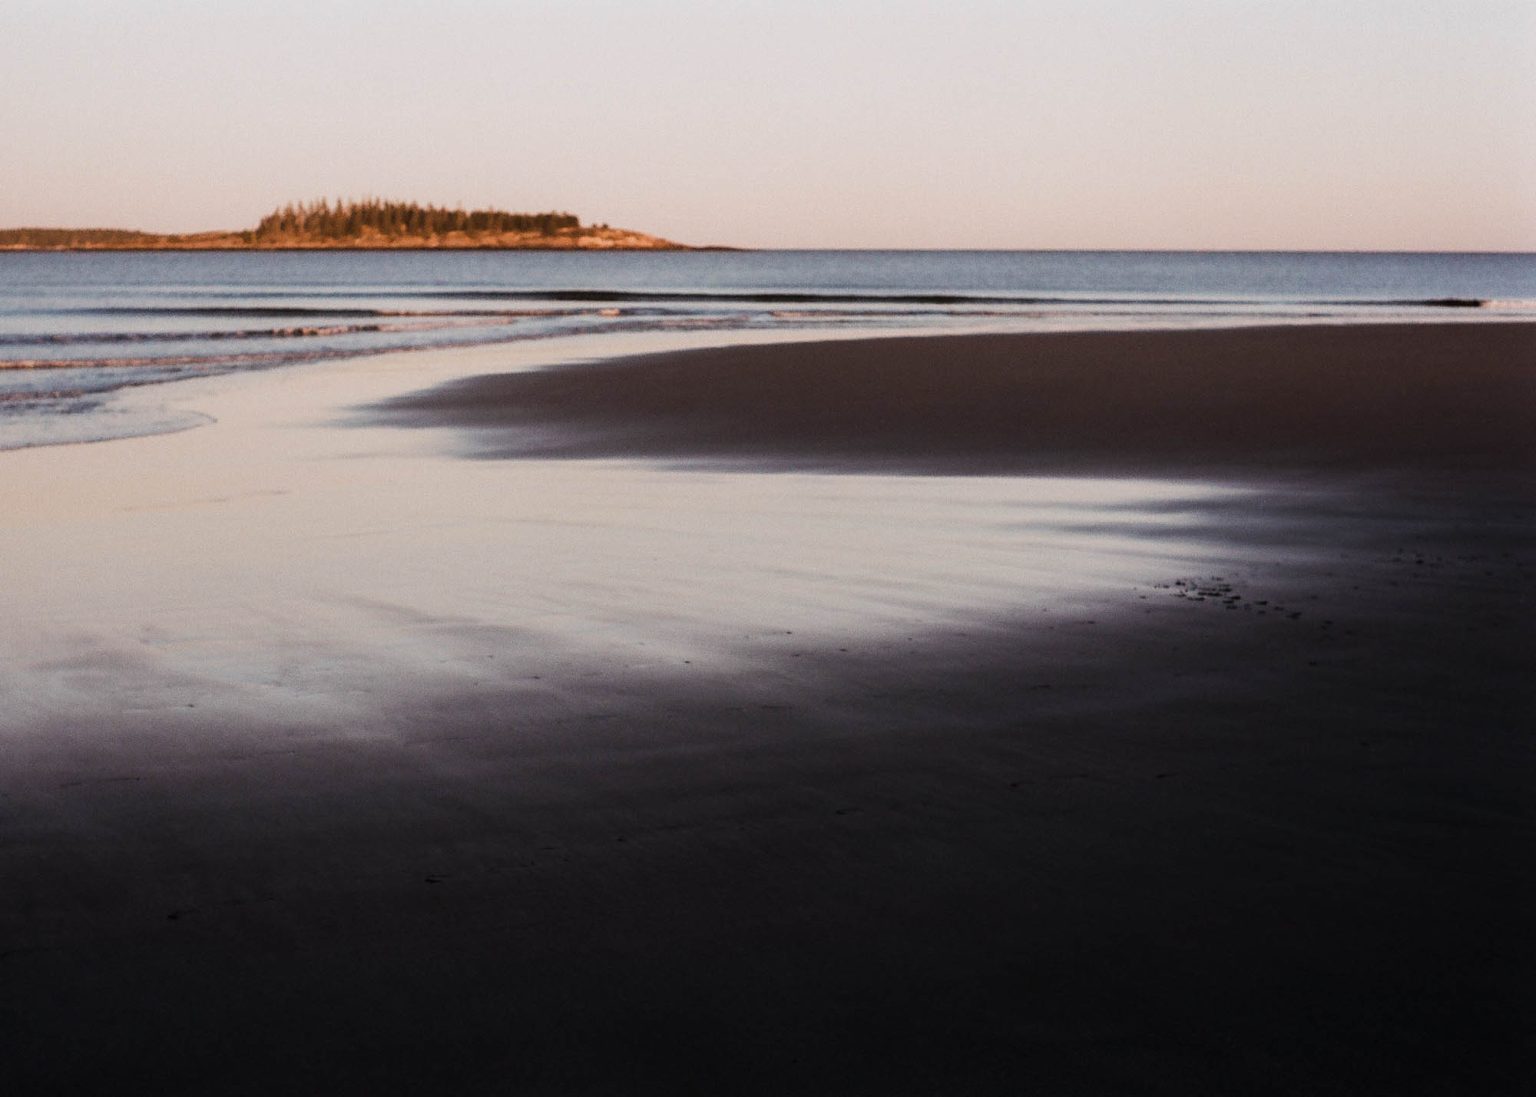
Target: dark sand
{"x": 1221, "y": 403}
{"x": 1169, "y": 847}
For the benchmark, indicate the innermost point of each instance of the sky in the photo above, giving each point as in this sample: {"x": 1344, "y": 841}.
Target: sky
{"x": 1310, "y": 124}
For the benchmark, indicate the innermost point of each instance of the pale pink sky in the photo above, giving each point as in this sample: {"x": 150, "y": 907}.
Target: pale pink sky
{"x": 993, "y": 123}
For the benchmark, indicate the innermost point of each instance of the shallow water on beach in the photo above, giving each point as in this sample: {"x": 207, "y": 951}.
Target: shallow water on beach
{"x": 76, "y": 328}
{"x": 291, "y": 563}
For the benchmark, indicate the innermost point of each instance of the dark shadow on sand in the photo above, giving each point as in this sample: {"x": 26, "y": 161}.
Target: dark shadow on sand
{"x": 1179, "y": 849}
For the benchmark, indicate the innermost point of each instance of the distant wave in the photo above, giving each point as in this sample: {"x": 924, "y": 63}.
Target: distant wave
{"x": 321, "y": 350}
{"x": 1447, "y": 302}
{"x": 206, "y": 361}
{"x": 775, "y": 297}
{"x": 253, "y": 311}
{"x": 312, "y": 331}
{"x": 278, "y": 312}
{"x": 750, "y": 297}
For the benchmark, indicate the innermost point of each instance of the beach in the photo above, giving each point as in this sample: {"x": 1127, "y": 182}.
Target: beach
{"x": 1072, "y": 713}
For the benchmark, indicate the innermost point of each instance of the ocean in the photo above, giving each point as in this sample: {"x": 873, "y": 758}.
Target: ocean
{"x": 76, "y": 328}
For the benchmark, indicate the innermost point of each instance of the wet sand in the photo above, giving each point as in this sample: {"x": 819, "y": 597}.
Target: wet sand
{"x": 1219, "y": 403}
{"x": 374, "y": 768}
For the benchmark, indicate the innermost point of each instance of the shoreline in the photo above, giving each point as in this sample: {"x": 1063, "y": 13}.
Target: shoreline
{"x": 334, "y": 760}
{"x": 559, "y": 246}
{"x": 980, "y": 251}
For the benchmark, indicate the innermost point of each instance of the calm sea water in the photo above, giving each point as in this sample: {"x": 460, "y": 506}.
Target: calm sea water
{"x": 77, "y": 327}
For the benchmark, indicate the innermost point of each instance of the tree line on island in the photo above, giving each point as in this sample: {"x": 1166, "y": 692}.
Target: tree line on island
{"x": 345, "y": 219}
{"x": 369, "y": 222}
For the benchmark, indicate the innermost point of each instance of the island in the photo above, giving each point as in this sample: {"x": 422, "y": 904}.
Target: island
{"x": 369, "y": 223}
